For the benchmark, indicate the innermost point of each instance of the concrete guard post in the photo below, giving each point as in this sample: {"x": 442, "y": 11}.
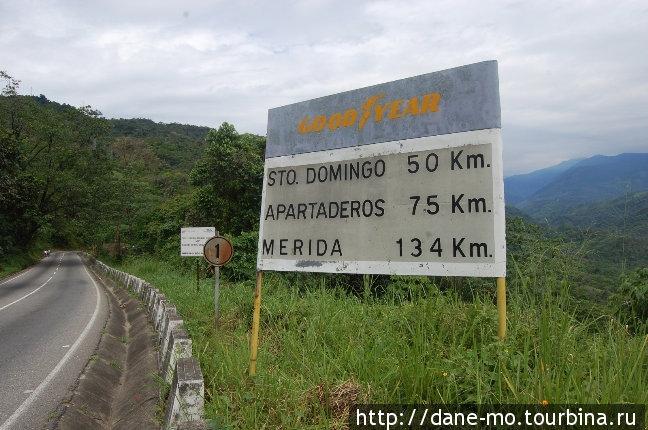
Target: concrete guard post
{"x": 193, "y": 425}
{"x": 185, "y": 403}
{"x": 150, "y": 301}
{"x": 179, "y": 347}
{"x": 171, "y": 321}
{"x": 167, "y": 310}
{"x": 161, "y": 310}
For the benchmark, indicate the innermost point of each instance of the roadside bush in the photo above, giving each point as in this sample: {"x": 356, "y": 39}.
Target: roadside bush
{"x": 632, "y": 300}
{"x": 243, "y": 264}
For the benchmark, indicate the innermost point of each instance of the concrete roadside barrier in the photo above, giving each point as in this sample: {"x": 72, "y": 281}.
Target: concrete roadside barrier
{"x": 179, "y": 347}
{"x": 172, "y": 321}
{"x": 176, "y": 365}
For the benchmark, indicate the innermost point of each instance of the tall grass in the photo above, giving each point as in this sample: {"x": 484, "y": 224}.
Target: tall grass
{"x": 14, "y": 262}
{"x": 322, "y": 350}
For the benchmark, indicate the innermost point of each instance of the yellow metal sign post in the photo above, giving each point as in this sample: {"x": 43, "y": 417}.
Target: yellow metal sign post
{"x": 254, "y": 341}
{"x": 501, "y": 308}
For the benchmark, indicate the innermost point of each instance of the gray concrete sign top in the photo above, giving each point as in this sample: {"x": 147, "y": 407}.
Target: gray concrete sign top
{"x": 456, "y": 100}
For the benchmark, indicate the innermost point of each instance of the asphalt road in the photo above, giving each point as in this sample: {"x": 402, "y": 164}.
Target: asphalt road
{"x": 51, "y": 317}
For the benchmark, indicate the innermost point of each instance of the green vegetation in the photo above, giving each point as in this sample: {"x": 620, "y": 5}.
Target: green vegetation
{"x": 322, "y": 348}
{"x": 614, "y": 231}
{"x": 177, "y": 146}
{"x": 330, "y": 341}
{"x": 589, "y": 180}
{"x": 70, "y": 178}
{"x": 52, "y": 171}
{"x": 632, "y": 300}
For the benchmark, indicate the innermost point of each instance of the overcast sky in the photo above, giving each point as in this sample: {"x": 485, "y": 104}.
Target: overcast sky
{"x": 573, "y": 74}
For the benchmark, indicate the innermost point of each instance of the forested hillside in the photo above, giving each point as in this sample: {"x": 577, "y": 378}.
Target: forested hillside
{"x": 587, "y": 180}
{"x": 613, "y": 234}
{"x": 56, "y": 173}
{"x": 598, "y": 205}
{"x": 178, "y": 146}
{"x": 70, "y": 178}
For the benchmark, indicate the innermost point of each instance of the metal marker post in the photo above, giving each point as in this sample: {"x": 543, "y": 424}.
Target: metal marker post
{"x": 216, "y": 293}
{"x": 218, "y": 251}
{"x": 216, "y": 290}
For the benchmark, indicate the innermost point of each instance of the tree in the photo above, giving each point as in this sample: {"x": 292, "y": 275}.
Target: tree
{"x": 136, "y": 152}
{"x": 55, "y": 157}
{"x": 18, "y": 189}
{"x": 229, "y": 179}
{"x": 18, "y": 195}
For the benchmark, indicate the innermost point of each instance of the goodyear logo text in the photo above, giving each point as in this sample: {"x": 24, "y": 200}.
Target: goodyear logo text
{"x": 371, "y": 109}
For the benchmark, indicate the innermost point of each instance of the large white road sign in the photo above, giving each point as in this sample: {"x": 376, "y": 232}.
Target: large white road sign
{"x": 399, "y": 178}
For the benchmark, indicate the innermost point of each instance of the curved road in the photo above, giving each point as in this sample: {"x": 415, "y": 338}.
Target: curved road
{"x": 51, "y": 317}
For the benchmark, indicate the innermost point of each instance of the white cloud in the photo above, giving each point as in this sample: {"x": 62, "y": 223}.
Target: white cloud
{"x": 572, "y": 74}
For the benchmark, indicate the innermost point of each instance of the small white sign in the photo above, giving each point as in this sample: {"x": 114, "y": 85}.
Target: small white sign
{"x": 193, "y": 239}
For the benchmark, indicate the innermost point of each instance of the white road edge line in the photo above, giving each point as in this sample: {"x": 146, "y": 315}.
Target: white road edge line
{"x": 7, "y": 424}
{"x": 28, "y": 294}
{"x": 27, "y": 271}
{"x": 16, "y": 277}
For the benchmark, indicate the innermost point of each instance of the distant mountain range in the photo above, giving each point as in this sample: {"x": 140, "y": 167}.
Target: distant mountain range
{"x": 622, "y": 215}
{"x": 598, "y": 204}
{"x": 519, "y": 187}
{"x": 546, "y": 192}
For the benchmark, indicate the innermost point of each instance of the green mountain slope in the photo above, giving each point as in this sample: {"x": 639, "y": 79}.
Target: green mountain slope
{"x": 613, "y": 234}
{"x": 520, "y": 187}
{"x": 177, "y": 145}
{"x": 593, "y": 179}
{"x": 626, "y": 214}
